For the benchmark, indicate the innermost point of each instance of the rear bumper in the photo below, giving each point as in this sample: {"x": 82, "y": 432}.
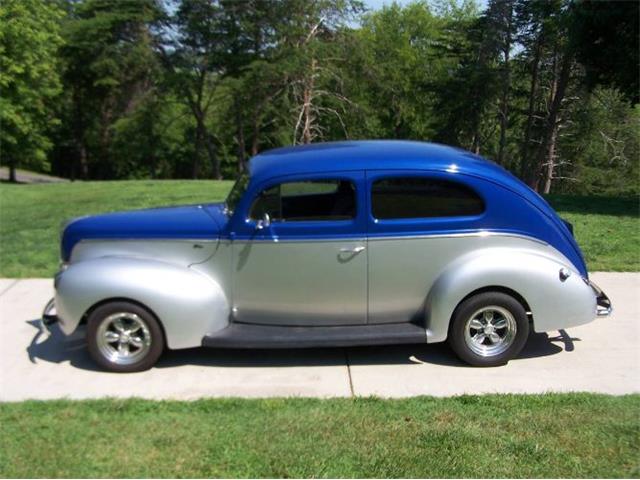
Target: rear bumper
{"x": 49, "y": 316}
{"x": 604, "y": 308}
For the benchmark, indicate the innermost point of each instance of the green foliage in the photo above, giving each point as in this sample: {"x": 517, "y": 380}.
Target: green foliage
{"x": 607, "y": 39}
{"x": 396, "y": 68}
{"x": 110, "y": 70}
{"x": 516, "y": 436}
{"x": 602, "y": 146}
{"x": 194, "y": 88}
{"x": 29, "y": 80}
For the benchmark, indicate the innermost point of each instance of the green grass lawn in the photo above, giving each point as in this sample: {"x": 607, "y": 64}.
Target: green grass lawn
{"x": 31, "y": 216}
{"x": 553, "y": 435}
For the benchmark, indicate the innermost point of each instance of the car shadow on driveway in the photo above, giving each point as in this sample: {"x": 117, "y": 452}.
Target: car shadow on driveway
{"x": 57, "y": 348}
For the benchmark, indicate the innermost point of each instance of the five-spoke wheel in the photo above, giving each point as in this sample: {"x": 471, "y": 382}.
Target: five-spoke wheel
{"x": 124, "y": 337}
{"x": 488, "y": 329}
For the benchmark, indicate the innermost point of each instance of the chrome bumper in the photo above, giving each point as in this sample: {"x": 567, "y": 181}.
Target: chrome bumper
{"x": 49, "y": 317}
{"x": 604, "y": 307}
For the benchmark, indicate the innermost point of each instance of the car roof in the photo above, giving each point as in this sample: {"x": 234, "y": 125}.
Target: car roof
{"x": 371, "y": 155}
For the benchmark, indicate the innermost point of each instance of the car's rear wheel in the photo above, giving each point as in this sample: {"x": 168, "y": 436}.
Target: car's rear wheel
{"x": 489, "y": 329}
{"x": 124, "y": 337}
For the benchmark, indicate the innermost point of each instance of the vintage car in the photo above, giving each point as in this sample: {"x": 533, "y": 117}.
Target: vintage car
{"x": 335, "y": 244}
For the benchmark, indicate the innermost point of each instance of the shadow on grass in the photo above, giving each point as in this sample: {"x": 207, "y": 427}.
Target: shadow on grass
{"x": 599, "y": 205}
{"x": 57, "y": 348}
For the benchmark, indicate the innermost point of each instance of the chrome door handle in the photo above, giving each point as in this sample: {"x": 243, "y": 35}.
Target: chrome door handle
{"x": 357, "y": 249}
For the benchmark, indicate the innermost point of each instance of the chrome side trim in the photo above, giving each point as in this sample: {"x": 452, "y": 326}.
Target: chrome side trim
{"x": 138, "y": 239}
{"x": 276, "y": 239}
{"x": 483, "y": 233}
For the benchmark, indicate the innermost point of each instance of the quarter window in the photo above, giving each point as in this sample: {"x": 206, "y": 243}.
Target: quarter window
{"x": 307, "y": 200}
{"x": 416, "y": 197}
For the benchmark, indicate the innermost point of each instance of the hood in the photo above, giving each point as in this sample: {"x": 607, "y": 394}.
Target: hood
{"x": 186, "y": 222}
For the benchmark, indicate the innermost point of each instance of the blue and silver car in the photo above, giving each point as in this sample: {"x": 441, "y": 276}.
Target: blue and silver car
{"x": 335, "y": 244}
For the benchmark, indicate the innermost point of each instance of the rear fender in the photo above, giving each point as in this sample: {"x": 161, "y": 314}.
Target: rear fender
{"x": 554, "y": 303}
{"x": 188, "y": 304}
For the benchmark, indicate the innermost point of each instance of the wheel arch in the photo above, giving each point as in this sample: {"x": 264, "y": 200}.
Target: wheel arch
{"x": 502, "y": 289}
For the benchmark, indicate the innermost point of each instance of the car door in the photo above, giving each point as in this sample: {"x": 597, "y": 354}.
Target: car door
{"x": 419, "y": 222}
{"x": 300, "y": 257}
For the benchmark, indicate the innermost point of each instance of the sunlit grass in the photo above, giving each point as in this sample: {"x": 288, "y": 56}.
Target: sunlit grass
{"x": 553, "y": 435}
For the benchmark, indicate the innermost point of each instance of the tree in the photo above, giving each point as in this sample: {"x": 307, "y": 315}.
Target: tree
{"x": 501, "y": 26}
{"x": 402, "y": 63}
{"x": 467, "y": 94}
{"x": 606, "y": 37}
{"x": 603, "y": 141}
{"x": 193, "y": 53}
{"x": 29, "y": 81}
{"x": 306, "y": 38}
{"x": 545, "y": 33}
{"x": 109, "y": 68}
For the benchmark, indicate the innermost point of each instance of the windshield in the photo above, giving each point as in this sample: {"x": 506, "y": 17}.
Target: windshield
{"x": 236, "y": 193}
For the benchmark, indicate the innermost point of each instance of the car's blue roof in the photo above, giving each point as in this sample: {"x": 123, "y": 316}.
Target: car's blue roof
{"x": 370, "y": 155}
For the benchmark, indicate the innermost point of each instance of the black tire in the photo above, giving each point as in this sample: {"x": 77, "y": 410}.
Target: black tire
{"x": 148, "y": 355}
{"x": 464, "y": 313}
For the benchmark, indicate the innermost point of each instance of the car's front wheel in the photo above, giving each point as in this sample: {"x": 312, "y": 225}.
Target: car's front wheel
{"x": 489, "y": 329}
{"x": 124, "y": 337}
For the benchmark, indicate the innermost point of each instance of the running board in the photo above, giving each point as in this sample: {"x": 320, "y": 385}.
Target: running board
{"x": 242, "y": 335}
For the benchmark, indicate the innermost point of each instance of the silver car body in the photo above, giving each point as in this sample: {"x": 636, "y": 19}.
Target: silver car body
{"x": 196, "y": 288}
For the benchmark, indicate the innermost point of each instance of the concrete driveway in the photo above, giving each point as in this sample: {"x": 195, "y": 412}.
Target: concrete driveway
{"x": 603, "y": 356}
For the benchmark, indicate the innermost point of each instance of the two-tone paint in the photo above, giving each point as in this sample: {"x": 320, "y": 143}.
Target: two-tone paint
{"x": 200, "y": 268}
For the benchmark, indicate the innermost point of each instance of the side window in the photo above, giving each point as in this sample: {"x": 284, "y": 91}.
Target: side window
{"x": 307, "y": 200}
{"x": 416, "y": 197}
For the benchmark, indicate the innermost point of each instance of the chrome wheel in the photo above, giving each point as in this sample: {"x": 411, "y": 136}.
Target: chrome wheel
{"x": 123, "y": 338}
{"x": 490, "y": 331}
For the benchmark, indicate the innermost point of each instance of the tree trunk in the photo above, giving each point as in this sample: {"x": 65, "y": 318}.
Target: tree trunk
{"x": 307, "y": 131}
{"x": 256, "y": 120}
{"x": 196, "y": 158}
{"x": 551, "y": 161}
{"x": 525, "y": 166}
{"x": 551, "y": 149}
{"x": 213, "y": 158}
{"x": 203, "y": 138}
{"x": 82, "y": 160}
{"x": 551, "y": 120}
{"x": 240, "y": 133}
{"x": 506, "y": 85}
{"x": 255, "y": 138}
{"x": 475, "y": 148}
{"x": 12, "y": 172}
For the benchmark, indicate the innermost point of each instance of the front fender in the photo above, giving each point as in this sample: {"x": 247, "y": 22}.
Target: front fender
{"x": 554, "y": 303}
{"x": 188, "y": 304}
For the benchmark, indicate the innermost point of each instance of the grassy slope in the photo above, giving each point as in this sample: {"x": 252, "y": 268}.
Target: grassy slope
{"x": 31, "y": 216}
{"x": 555, "y": 435}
